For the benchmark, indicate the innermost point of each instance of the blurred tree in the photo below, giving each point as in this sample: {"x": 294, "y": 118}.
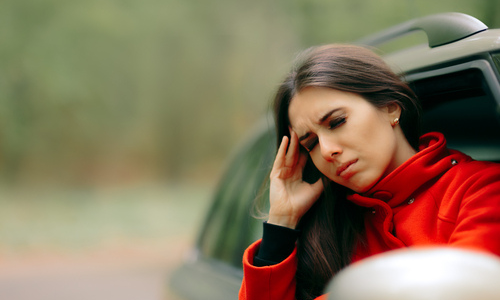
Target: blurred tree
{"x": 112, "y": 91}
{"x": 492, "y": 13}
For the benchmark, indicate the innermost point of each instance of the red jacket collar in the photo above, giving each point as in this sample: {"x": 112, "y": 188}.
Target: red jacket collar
{"x": 432, "y": 160}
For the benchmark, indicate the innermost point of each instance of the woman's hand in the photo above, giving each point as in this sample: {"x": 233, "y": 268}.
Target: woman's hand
{"x": 290, "y": 197}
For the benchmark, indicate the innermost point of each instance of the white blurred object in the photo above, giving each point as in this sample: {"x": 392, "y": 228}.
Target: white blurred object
{"x": 420, "y": 274}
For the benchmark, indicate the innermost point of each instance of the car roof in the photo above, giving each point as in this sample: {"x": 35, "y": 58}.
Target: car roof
{"x": 423, "y": 56}
{"x": 451, "y": 36}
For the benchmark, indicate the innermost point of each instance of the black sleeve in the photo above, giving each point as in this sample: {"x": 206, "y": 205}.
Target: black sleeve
{"x": 277, "y": 244}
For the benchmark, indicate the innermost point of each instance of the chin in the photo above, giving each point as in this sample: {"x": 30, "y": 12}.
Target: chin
{"x": 355, "y": 189}
{"x": 361, "y": 188}
{"x": 355, "y": 186}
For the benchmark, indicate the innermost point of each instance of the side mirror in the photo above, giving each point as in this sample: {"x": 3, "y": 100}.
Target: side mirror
{"x": 418, "y": 274}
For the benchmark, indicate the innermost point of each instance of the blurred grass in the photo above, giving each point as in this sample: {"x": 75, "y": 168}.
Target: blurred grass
{"x": 74, "y": 221}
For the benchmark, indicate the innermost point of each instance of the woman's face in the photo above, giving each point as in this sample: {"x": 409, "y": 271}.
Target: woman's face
{"x": 349, "y": 140}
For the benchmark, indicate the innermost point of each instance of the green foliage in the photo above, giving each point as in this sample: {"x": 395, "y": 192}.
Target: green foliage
{"x": 112, "y": 91}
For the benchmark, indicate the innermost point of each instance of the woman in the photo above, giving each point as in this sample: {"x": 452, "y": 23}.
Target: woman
{"x": 381, "y": 186}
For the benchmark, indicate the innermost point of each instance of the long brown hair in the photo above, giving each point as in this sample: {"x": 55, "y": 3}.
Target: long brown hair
{"x": 333, "y": 226}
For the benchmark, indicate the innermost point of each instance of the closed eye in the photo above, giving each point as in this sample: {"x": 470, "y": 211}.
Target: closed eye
{"x": 336, "y": 122}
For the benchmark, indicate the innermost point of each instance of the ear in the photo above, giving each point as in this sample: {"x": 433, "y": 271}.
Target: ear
{"x": 393, "y": 111}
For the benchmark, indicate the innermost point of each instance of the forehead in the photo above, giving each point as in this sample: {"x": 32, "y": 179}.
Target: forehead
{"x": 311, "y": 104}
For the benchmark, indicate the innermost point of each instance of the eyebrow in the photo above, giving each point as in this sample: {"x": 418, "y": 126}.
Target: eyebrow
{"x": 321, "y": 120}
{"x": 327, "y": 115}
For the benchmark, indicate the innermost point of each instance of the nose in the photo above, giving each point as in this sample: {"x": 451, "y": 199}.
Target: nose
{"x": 330, "y": 148}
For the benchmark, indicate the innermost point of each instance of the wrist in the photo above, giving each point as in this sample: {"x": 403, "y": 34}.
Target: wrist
{"x": 284, "y": 221}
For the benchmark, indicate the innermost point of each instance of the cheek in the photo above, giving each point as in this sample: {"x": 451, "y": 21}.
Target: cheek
{"x": 380, "y": 157}
{"x": 318, "y": 161}
{"x": 325, "y": 167}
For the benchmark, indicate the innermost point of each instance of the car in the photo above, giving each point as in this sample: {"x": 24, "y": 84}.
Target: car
{"x": 456, "y": 77}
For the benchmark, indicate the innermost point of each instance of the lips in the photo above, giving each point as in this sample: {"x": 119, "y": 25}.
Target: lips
{"x": 345, "y": 166}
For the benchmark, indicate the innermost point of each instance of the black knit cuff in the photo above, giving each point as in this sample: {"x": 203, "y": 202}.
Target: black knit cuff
{"x": 277, "y": 244}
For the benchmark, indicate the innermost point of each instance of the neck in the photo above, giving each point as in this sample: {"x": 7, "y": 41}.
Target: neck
{"x": 404, "y": 152}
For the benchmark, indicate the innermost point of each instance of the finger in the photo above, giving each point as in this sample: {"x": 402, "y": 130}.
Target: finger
{"x": 293, "y": 149}
{"x": 280, "y": 156}
{"x": 303, "y": 157}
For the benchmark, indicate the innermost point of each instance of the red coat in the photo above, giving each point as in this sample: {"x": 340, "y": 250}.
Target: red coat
{"x": 437, "y": 197}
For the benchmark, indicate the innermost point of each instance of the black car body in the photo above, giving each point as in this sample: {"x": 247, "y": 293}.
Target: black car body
{"x": 456, "y": 77}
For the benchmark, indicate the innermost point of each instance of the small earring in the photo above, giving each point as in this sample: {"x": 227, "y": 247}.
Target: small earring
{"x": 395, "y": 122}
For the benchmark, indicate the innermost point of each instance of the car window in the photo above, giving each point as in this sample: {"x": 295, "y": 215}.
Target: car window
{"x": 230, "y": 227}
{"x": 477, "y": 134}
{"x": 462, "y": 106}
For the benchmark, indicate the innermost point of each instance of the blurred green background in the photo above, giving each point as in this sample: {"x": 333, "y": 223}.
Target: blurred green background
{"x": 117, "y": 116}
